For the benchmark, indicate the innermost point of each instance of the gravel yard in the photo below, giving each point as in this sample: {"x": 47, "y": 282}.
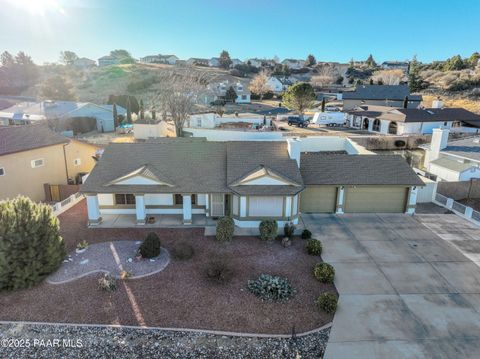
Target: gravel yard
{"x": 180, "y": 296}
{"x": 152, "y": 343}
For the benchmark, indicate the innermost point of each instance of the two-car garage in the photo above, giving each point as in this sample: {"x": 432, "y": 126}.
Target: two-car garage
{"x": 357, "y": 199}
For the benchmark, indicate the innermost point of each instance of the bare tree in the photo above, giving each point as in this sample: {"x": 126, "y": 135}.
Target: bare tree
{"x": 259, "y": 84}
{"x": 326, "y": 76}
{"x": 178, "y": 93}
{"x": 388, "y": 77}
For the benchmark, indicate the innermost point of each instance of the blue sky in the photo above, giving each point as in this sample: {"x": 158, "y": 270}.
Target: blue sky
{"x": 331, "y": 30}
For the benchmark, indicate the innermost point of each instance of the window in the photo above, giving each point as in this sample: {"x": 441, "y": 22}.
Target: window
{"x": 2, "y": 171}
{"x": 199, "y": 122}
{"x": 263, "y": 206}
{"x": 376, "y": 125}
{"x": 178, "y": 199}
{"x": 123, "y": 199}
{"x": 37, "y": 163}
{"x": 77, "y": 162}
{"x": 244, "y": 97}
{"x": 392, "y": 128}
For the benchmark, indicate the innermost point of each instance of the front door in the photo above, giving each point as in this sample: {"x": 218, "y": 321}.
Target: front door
{"x": 218, "y": 206}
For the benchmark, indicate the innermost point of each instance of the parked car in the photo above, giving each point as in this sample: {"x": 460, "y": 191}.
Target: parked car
{"x": 297, "y": 121}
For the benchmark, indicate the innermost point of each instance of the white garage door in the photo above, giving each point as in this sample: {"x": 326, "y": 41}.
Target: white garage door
{"x": 265, "y": 206}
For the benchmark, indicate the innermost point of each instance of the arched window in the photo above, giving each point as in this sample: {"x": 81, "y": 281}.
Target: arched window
{"x": 392, "y": 128}
{"x": 376, "y": 125}
{"x": 365, "y": 123}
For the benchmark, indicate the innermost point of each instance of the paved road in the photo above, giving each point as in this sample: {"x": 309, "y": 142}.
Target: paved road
{"x": 404, "y": 291}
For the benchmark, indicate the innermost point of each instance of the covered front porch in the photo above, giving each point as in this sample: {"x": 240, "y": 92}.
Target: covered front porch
{"x": 153, "y": 221}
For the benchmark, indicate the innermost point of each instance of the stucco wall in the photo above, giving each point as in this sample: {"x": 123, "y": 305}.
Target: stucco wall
{"x": 83, "y": 151}
{"x": 21, "y": 178}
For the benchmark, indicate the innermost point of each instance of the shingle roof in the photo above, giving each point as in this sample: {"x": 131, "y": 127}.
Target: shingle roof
{"x": 23, "y": 138}
{"x": 381, "y": 92}
{"x": 338, "y": 169}
{"x": 468, "y": 147}
{"x": 438, "y": 114}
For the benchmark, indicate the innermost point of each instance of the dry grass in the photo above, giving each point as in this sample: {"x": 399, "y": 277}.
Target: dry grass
{"x": 450, "y": 101}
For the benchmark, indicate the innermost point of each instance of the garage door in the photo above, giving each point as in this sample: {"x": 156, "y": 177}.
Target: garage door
{"x": 318, "y": 199}
{"x": 375, "y": 199}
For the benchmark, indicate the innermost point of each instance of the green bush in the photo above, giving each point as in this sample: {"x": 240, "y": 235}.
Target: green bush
{"x": 268, "y": 229}
{"x": 289, "y": 229}
{"x": 31, "y": 247}
{"x": 150, "y": 247}
{"x": 314, "y": 247}
{"x": 182, "y": 251}
{"x": 219, "y": 270}
{"x": 306, "y": 234}
{"x": 107, "y": 283}
{"x": 327, "y": 302}
{"x": 271, "y": 288}
{"x": 324, "y": 272}
{"x": 225, "y": 229}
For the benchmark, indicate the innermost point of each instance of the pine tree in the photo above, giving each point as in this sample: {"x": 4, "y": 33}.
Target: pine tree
{"x": 231, "y": 95}
{"x": 129, "y": 111}
{"x": 31, "y": 247}
{"x": 115, "y": 116}
{"x": 370, "y": 61}
{"x": 142, "y": 110}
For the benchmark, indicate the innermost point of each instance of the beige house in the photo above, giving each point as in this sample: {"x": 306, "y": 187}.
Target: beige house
{"x": 33, "y": 155}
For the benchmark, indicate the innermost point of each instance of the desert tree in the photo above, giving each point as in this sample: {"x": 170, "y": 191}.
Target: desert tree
{"x": 388, "y": 77}
{"x": 57, "y": 88}
{"x": 325, "y": 76}
{"x": 6, "y": 59}
{"x": 230, "y": 95}
{"x": 310, "y": 61}
{"x": 225, "y": 60}
{"x": 259, "y": 84}
{"x": 299, "y": 97}
{"x": 68, "y": 57}
{"x": 178, "y": 93}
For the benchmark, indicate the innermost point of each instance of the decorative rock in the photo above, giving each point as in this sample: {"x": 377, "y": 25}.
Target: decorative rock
{"x": 129, "y": 260}
{"x": 85, "y": 261}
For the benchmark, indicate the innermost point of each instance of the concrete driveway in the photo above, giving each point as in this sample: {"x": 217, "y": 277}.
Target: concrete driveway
{"x": 404, "y": 291}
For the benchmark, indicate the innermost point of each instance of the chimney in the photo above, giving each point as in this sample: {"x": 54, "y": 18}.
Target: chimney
{"x": 294, "y": 149}
{"x": 438, "y": 103}
{"x": 438, "y": 143}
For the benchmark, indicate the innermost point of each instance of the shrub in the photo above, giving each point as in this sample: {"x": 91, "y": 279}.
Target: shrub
{"x": 182, "y": 251}
{"x": 272, "y": 288}
{"x": 150, "y": 247}
{"x": 306, "y": 234}
{"x": 327, "y": 302}
{"x": 82, "y": 245}
{"x": 268, "y": 229}
{"x": 219, "y": 270}
{"x": 314, "y": 247}
{"x": 108, "y": 283}
{"x": 289, "y": 229}
{"x": 30, "y": 243}
{"x": 225, "y": 229}
{"x": 324, "y": 272}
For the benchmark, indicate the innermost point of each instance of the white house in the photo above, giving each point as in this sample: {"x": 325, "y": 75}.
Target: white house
{"x": 214, "y": 62}
{"x": 402, "y": 121}
{"x": 294, "y": 63}
{"x": 31, "y": 112}
{"x": 198, "y": 61}
{"x": 219, "y": 89}
{"x": 159, "y": 59}
{"x": 108, "y": 60}
{"x": 190, "y": 180}
{"x": 457, "y": 160}
{"x": 236, "y": 62}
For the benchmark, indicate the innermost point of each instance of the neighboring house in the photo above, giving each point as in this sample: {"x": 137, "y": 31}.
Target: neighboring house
{"x": 394, "y": 65}
{"x": 31, "y": 112}
{"x": 84, "y": 63}
{"x": 236, "y": 62}
{"x": 254, "y": 62}
{"x": 279, "y": 84}
{"x": 214, "y": 62}
{"x": 402, "y": 121}
{"x": 198, "y": 61}
{"x": 219, "y": 90}
{"x": 294, "y": 63}
{"x": 33, "y": 155}
{"x": 457, "y": 160}
{"x": 212, "y": 120}
{"x": 108, "y": 60}
{"x": 380, "y": 95}
{"x": 159, "y": 59}
{"x": 250, "y": 181}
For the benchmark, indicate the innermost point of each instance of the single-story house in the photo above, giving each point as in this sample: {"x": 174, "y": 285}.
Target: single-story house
{"x": 250, "y": 181}
{"x": 84, "y": 63}
{"x": 197, "y": 61}
{"x": 396, "y": 65}
{"x": 278, "y": 84}
{"x": 33, "y": 155}
{"x": 236, "y": 62}
{"x": 214, "y": 62}
{"x": 402, "y": 121}
{"x": 108, "y": 60}
{"x": 457, "y": 160}
{"x": 31, "y": 112}
{"x": 380, "y": 95}
{"x": 159, "y": 59}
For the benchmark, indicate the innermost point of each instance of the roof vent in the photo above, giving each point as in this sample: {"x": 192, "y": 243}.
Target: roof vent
{"x": 476, "y": 140}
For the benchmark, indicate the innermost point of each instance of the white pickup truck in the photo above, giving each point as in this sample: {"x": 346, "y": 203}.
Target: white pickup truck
{"x": 329, "y": 118}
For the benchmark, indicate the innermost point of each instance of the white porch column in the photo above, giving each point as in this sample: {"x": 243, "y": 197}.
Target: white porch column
{"x": 207, "y": 204}
{"x": 412, "y": 200}
{"x": 288, "y": 206}
{"x": 140, "y": 208}
{"x": 243, "y": 206}
{"x": 370, "y": 124}
{"x": 93, "y": 209}
{"x": 187, "y": 209}
{"x": 340, "y": 200}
